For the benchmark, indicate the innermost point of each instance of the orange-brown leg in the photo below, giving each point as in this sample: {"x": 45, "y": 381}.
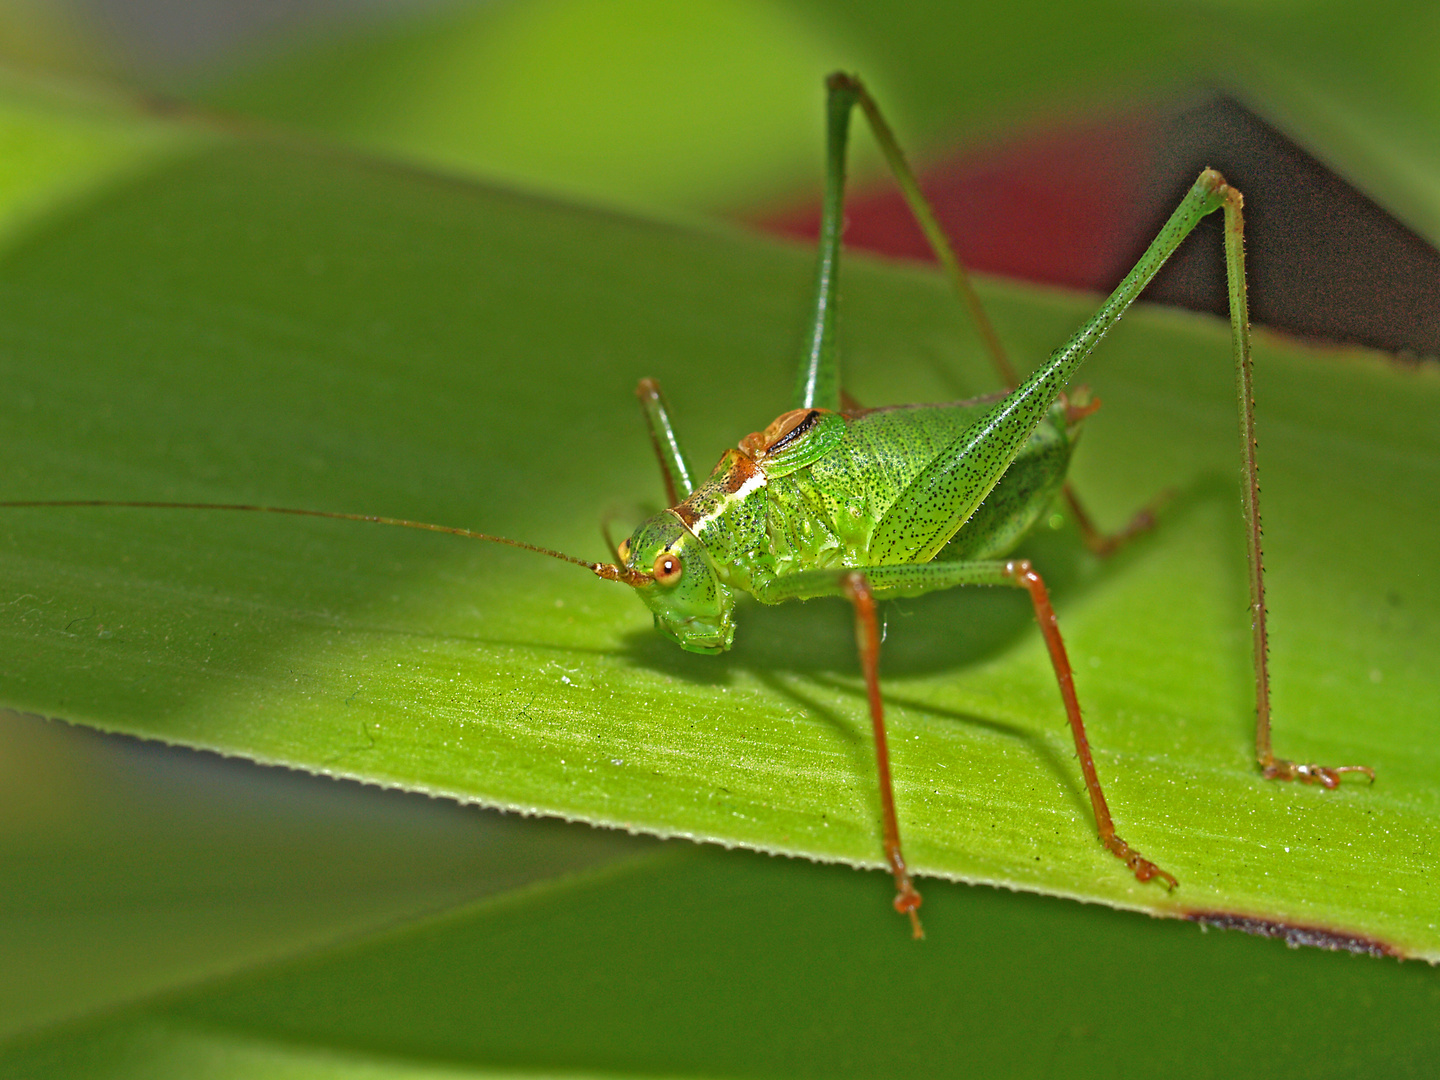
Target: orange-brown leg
{"x": 1023, "y": 574}
{"x": 867, "y": 639}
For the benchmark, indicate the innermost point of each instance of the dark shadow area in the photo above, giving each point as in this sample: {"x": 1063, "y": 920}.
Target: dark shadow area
{"x": 928, "y": 635}
{"x": 923, "y": 635}
{"x": 1057, "y": 764}
{"x": 1324, "y": 260}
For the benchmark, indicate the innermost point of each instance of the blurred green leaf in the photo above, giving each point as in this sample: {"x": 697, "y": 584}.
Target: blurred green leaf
{"x": 125, "y": 875}
{"x": 708, "y": 963}
{"x": 711, "y": 104}
{"x": 61, "y": 142}
{"x": 257, "y": 322}
{"x": 1358, "y": 86}
{"x": 638, "y": 103}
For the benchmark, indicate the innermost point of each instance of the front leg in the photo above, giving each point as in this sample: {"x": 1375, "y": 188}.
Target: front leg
{"x": 867, "y": 639}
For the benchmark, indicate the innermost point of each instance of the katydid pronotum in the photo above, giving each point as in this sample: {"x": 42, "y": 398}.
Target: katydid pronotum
{"x": 832, "y": 499}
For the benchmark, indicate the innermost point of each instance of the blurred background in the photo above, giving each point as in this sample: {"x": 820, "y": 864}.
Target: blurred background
{"x": 1053, "y": 139}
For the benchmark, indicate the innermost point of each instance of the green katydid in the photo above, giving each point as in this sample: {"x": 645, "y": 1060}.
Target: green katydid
{"x": 835, "y": 500}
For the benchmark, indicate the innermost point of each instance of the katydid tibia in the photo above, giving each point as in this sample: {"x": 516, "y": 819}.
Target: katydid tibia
{"x": 832, "y": 499}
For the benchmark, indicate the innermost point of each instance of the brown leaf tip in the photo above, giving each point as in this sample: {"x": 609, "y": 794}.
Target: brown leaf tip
{"x": 1295, "y": 935}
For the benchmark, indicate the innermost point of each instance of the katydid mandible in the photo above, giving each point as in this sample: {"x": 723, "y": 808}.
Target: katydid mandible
{"x": 833, "y": 499}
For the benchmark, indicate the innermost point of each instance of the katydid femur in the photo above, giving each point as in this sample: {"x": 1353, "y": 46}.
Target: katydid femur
{"x": 835, "y": 500}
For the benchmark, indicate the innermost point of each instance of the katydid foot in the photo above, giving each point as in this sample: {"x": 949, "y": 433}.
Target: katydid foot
{"x": 907, "y": 900}
{"x": 1327, "y": 776}
{"x": 1141, "y": 867}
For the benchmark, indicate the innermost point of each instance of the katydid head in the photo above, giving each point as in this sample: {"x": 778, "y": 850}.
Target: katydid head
{"x": 691, "y": 605}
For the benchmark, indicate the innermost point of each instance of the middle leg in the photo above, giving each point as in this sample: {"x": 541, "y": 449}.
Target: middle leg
{"x": 1023, "y": 575}
{"x": 915, "y": 579}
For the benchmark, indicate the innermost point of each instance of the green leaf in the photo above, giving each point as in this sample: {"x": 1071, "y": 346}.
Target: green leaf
{"x": 125, "y": 875}
{"x": 713, "y": 104}
{"x": 1359, "y": 88}
{"x": 260, "y": 323}
{"x": 708, "y": 963}
{"x": 710, "y": 104}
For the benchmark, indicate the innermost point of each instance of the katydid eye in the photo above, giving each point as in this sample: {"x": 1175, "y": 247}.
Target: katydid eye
{"x": 623, "y": 551}
{"x": 668, "y": 568}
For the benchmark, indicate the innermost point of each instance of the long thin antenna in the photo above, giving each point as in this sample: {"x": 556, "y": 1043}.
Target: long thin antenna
{"x": 608, "y": 571}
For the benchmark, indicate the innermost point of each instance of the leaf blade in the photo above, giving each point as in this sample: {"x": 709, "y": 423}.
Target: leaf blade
{"x": 323, "y": 331}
